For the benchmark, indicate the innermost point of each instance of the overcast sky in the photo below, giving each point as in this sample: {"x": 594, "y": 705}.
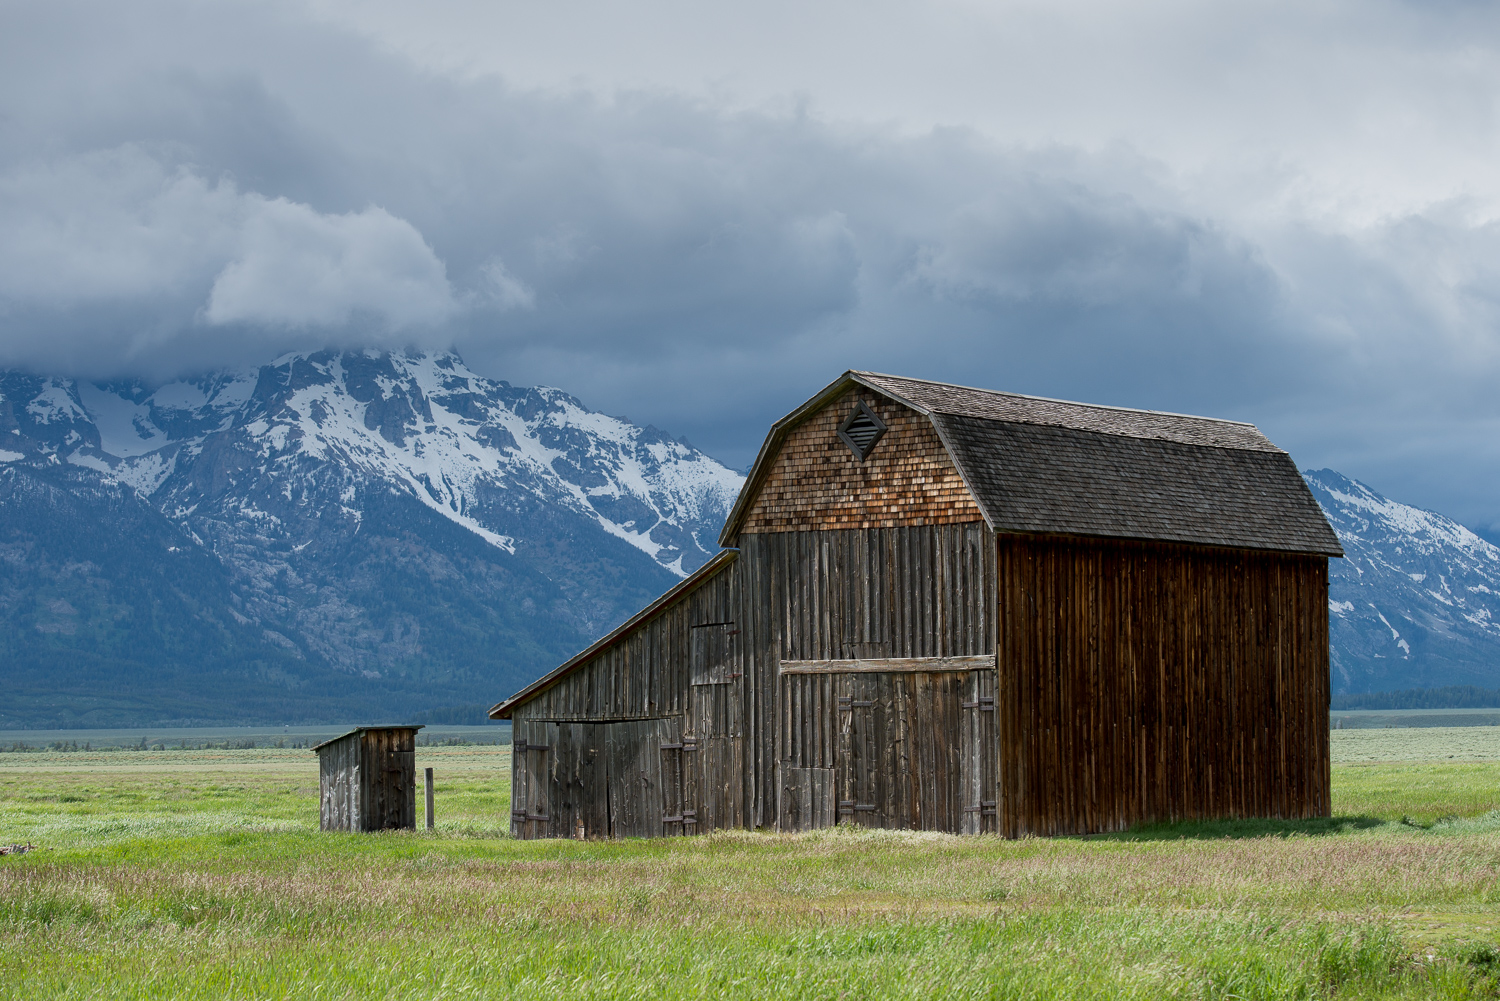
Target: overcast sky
{"x": 697, "y": 215}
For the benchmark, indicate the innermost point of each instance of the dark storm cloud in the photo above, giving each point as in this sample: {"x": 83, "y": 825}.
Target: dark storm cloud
{"x": 184, "y": 186}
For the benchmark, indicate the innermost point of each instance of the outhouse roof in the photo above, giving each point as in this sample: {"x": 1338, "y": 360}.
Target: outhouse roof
{"x": 362, "y": 729}
{"x": 1038, "y": 465}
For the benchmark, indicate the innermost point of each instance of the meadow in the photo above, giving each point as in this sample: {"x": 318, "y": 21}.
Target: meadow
{"x": 201, "y": 874}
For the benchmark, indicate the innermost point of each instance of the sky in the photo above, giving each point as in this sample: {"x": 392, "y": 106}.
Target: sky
{"x": 698, "y": 214}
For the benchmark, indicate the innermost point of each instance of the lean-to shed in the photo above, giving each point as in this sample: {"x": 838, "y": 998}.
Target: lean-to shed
{"x": 368, "y": 779}
{"x": 954, "y": 609}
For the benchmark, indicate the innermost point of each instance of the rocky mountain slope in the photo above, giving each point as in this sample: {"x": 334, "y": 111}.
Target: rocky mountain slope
{"x": 1415, "y": 603}
{"x": 332, "y": 534}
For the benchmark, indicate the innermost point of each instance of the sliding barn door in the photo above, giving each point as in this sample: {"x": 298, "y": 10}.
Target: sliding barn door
{"x": 626, "y": 779}
{"x": 977, "y": 749}
{"x": 899, "y": 762}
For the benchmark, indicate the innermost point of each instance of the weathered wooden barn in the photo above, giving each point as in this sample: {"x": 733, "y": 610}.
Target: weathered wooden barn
{"x": 951, "y": 609}
{"x": 368, "y": 779}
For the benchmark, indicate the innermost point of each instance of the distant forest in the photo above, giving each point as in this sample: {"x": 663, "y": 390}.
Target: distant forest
{"x": 1451, "y": 697}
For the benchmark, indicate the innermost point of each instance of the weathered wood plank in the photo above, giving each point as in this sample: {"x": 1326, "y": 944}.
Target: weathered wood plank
{"x": 890, "y": 665}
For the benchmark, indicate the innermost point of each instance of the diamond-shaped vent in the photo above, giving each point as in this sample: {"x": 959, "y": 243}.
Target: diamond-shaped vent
{"x": 861, "y": 430}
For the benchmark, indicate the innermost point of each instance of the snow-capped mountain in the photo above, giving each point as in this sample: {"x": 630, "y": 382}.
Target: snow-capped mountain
{"x": 422, "y": 423}
{"x": 1415, "y": 603}
{"x": 385, "y": 516}
{"x": 345, "y": 534}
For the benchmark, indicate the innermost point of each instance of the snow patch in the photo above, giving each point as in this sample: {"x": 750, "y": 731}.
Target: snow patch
{"x": 124, "y": 427}
{"x": 55, "y": 404}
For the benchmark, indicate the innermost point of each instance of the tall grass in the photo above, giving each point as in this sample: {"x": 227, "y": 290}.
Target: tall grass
{"x": 204, "y": 877}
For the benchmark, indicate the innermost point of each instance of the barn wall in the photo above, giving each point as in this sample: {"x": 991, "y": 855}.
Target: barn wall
{"x": 1149, "y": 682}
{"x": 836, "y": 595}
{"x": 650, "y": 729}
{"x": 816, "y": 482}
{"x": 649, "y": 673}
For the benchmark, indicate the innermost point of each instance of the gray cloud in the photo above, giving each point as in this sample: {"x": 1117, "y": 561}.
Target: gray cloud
{"x": 184, "y": 186}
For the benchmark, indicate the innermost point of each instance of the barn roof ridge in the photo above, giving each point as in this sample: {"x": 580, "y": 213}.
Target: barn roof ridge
{"x": 1162, "y": 419}
{"x": 719, "y": 560}
{"x": 865, "y": 373}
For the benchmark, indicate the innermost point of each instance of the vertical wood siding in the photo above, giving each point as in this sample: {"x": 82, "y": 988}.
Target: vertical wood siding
{"x": 368, "y": 781}
{"x": 1152, "y": 682}
{"x": 1135, "y": 682}
{"x": 651, "y": 728}
{"x": 836, "y": 595}
{"x": 648, "y": 673}
{"x": 338, "y": 781}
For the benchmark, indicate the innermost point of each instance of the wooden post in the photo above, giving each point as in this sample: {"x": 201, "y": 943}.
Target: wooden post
{"x": 428, "y": 779}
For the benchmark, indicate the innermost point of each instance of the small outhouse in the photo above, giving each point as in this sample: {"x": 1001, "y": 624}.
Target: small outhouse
{"x": 369, "y": 779}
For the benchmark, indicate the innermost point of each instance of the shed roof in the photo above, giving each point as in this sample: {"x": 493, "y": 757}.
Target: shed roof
{"x": 362, "y": 729}
{"x": 1036, "y": 465}
{"x": 720, "y": 560}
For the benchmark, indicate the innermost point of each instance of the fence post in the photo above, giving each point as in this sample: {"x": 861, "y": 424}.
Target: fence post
{"x": 429, "y": 797}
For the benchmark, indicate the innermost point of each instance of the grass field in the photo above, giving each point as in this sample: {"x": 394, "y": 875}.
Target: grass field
{"x": 200, "y": 874}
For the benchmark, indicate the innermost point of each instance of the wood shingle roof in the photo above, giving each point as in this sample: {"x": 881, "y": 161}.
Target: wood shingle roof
{"x": 1036, "y": 465}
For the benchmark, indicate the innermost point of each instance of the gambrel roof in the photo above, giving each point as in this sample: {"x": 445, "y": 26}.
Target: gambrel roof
{"x": 1044, "y": 466}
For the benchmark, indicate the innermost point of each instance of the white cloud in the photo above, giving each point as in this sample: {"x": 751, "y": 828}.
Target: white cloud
{"x": 505, "y": 289}
{"x": 121, "y": 229}
{"x": 295, "y": 267}
{"x": 111, "y": 224}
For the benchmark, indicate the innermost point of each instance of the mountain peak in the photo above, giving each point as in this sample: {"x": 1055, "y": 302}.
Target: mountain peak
{"x": 1361, "y": 509}
{"x": 419, "y": 422}
{"x": 332, "y": 532}
{"x": 1415, "y": 603}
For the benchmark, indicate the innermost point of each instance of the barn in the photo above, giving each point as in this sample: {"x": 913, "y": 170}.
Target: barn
{"x": 952, "y": 609}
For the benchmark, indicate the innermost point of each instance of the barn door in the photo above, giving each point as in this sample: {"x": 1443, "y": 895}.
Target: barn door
{"x": 645, "y": 777}
{"x": 899, "y": 755}
{"x": 678, "y": 780}
{"x": 711, "y": 759}
{"x": 578, "y": 778}
{"x": 872, "y": 750}
{"x": 977, "y": 754}
{"x": 531, "y": 778}
{"x": 396, "y": 801}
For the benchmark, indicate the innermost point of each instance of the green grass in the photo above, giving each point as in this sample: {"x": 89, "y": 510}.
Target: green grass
{"x": 1456, "y": 743}
{"x": 202, "y": 875}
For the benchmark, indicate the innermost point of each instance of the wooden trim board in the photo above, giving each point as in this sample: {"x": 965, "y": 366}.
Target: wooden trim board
{"x": 896, "y": 665}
